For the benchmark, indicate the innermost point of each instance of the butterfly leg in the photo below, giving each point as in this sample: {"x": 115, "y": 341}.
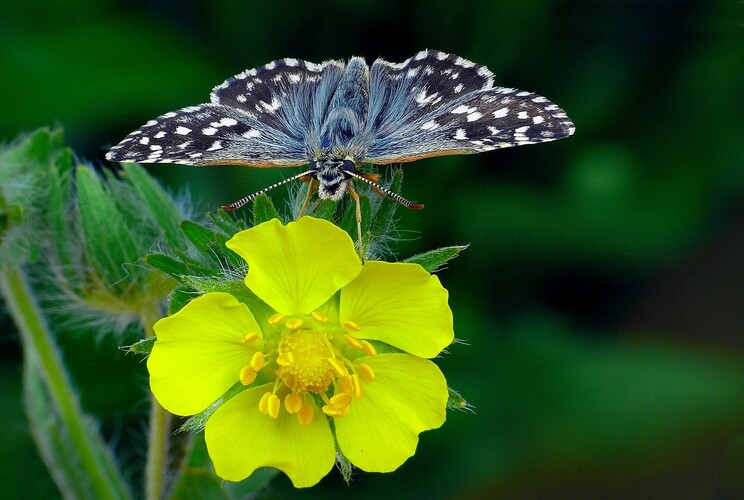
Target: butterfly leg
{"x": 354, "y": 195}
{"x": 307, "y": 198}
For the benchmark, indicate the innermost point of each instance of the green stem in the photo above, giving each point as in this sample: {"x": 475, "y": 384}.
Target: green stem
{"x": 159, "y": 434}
{"x": 37, "y": 338}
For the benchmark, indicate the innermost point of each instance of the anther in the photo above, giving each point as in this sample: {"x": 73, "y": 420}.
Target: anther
{"x": 338, "y": 367}
{"x": 341, "y": 400}
{"x": 251, "y": 338}
{"x": 285, "y": 359}
{"x": 292, "y": 403}
{"x": 319, "y": 316}
{"x": 276, "y": 318}
{"x": 258, "y": 361}
{"x": 350, "y": 325}
{"x": 273, "y": 406}
{"x": 305, "y": 415}
{"x": 352, "y": 341}
{"x": 263, "y": 404}
{"x": 330, "y": 411}
{"x": 293, "y": 324}
{"x": 357, "y": 385}
{"x": 346, "y": 384}
{"x": 368, "y": 348}
{"x": 366, "y": 372}
{"x": 247, "y": 375}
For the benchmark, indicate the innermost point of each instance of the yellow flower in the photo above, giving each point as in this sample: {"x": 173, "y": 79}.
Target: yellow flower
{"x": 325, "y": 338}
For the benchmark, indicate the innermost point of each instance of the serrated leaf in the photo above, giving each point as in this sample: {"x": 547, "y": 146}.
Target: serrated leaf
{"x": 227, "y": 222}
{"x": 161, "y": 206}
{"x": 435, "y": 259}
{"x": 176, "y": 268}
{"x": 264, "y": 210}
{"x": 181, "y": 296}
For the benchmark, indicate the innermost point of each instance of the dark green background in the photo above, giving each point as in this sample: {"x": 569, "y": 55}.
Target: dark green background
{"x": 601, "y": 299}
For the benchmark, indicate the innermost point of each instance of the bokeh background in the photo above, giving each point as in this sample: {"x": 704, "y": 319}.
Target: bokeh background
{"x": 601, "y": 299}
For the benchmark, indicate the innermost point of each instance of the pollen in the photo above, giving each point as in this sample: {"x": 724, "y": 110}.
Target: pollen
{"x": 350, "y": 325}
{"x": 247, "y": 375}
{"x": 303, "y": 362}
{"x": 250, "y": 338}
{"x": 366, "y": 372}
{"x": 293, "y": 324}
{"x": 319, "y": 316}
{"x": 276, "y": 318}
{"x": 258, "y": 361}
{"x": 368, "y": 348}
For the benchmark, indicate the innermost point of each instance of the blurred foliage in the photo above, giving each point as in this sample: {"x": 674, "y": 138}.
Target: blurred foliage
{"x": 601, "y": 294}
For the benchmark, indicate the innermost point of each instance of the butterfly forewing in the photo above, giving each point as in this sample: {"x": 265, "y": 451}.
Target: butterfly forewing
{"x": 453, "y": 110}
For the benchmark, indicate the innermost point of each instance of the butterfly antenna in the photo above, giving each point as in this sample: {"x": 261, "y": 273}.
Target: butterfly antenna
{"x": 386, "y": 192}
{"x": 243, "y": 201}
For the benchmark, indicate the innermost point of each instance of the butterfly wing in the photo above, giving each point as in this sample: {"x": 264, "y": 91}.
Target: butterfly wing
{"x": 264, "y": 117}
{"x": 440, "y": 104}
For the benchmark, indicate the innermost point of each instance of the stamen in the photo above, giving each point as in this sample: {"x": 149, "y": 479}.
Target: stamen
{"x": 366, "y": 372}
{"x": 305, "y": 415}
{"x": 319, "y": 316}
{"x": 357, "y": 385}
{"x": 346, "y": 384}
{"x": 293, "y": 403}
{"x": 258, "y": 361}
{"x": 350, "y": 325}
{"x": 285, "y": 359}
{"x": 368, "y": 348}
{"x": 338, "y": 367}
{"x": 273, "y": 406}
{"x": 247, "y": 375}
{"x": 263, "y": 404}
{"x": 331, "y": 411}
{"x": 293, "y": 324}
{"x": 251, "y": 338}
{"x": 276, "y": 318}
{"x": 352, "y": 341}
{"x": 341, "y": 400}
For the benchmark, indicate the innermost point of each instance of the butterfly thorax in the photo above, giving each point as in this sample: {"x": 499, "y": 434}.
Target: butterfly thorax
{"x": 333, "y": 174}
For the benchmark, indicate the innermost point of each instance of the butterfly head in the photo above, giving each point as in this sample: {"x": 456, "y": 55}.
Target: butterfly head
{"x": 333, "y": 173}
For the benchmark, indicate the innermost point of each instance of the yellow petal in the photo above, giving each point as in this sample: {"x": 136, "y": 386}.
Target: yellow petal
{"x": 297, "y": 267}
{"x": 408, "y": 396}
{"x": 240, "y": 439}
{"x": 200, "y": 352}
{"x": 401, "y": 305}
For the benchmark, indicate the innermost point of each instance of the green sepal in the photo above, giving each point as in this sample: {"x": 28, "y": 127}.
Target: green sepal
{"x": 227, "y": 222}
{"x": 198, "y": 421}
{"x": 143, "y": 346}
{"x": 210, "y": 243}
{"x": 181, "y": 296}
{"x": 60, "y": 194}
{"x": 264, "y": 210}
{"x": 177, "y": 268}
{"x": 163, "y": 210}
{"x": 455, "y": 401}
{"x": 108, "y": 240}
{"x": 435, "y": 259}
{"x": 344, "y": 466}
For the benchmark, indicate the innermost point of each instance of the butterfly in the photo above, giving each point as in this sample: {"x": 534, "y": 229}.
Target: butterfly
{"x": 335, "y": 116}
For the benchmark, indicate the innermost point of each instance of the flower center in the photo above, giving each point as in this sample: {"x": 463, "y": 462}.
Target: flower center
{"x": 303, "y": 361}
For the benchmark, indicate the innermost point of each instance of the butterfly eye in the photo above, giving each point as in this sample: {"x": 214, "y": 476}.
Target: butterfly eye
{"x": 349, "y": 166}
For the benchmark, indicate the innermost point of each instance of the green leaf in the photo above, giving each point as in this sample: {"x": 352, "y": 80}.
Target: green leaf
{"x": 176, "y": 268}
{"x": 161, "y": 206}
{"x": 383, "y": 218}
{"x": 349, "y": 224}
{"x": 210, "y": 244}
{"x": 264, "y": 210}
{"x": 198, "y": 421}
{"x": 227, "y": 222}
{"x": 326, "y": 209}
{"x": 455, "y": 401}
{"x": 108, "y": 239}
{"x": 435, "y": 259}
{"x": 181, "y": 296}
